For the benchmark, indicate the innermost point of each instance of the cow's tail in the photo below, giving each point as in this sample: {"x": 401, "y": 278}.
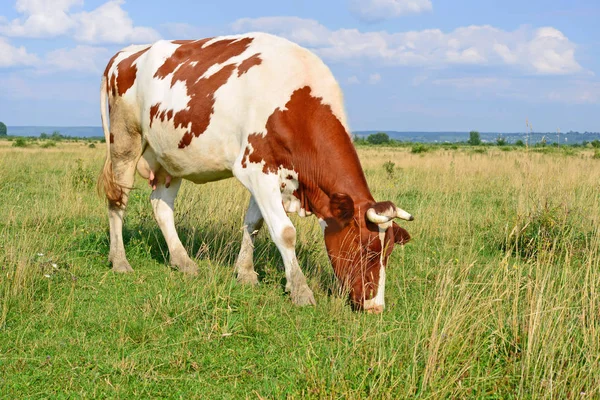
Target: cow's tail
{"x": 107, "y": 184}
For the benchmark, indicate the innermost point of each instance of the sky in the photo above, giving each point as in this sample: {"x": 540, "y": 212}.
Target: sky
{"x": 404, "y": 65}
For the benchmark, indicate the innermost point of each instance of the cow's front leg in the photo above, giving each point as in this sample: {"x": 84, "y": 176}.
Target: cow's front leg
{"x": 163, "y": 200}
{"x": 244, "y": 265}
{"x": 267, "y": 195}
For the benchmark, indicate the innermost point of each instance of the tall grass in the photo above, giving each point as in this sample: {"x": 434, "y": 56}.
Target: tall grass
{"x": 496, "y": 296}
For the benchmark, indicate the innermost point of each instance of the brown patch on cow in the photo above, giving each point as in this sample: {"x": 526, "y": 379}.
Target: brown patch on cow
{"x": 249, "y": 63}
{"x": 401, "y": 235}
{"x": 201, "y": 106}
{"x": 112, "y": 86}
{"x": 128, "y": 72}
{"x": 111, "y": 138}
{"x": 289, "y": 237}
{"x": 110, "y": 80}
{"x": 188, "y": 64}
{"x": 154, "y": 112}
{"x": 384, "y": 207}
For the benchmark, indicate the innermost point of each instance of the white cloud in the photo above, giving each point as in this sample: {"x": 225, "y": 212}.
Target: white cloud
{"x": 374, "y": 79}
{"x": 378, "y": 10}
{"x": 81, "y": 59}
{"x": 11, "y": 56}
{"x": 108, "y": 23}
{"x": 41, "y": 18}
{"x": 353, "y": 80}
{"x": 541, "y": 51}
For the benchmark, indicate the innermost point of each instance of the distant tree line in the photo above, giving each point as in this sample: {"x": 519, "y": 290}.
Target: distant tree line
{"x": 383, "y": 139}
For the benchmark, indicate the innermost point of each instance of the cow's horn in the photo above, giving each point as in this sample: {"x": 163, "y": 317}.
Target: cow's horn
{"x": 400, "y": 213}
{"x": 377, "y": 218}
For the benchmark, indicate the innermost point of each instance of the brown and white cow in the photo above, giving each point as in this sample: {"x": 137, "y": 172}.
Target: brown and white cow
{"x": 266, "y": 111}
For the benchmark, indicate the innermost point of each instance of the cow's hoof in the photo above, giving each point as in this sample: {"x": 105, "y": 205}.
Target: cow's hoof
{"x": 247, "y": 278}
{"x": 185, "y": 265}
{"x": 303, "y": 296}
{"x": 122, "y": 267}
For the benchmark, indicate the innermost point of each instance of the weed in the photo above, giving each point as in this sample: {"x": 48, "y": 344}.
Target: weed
{"x": 388, "y": 166}
{"x": 543, "y": 229}
{"x": 82, "y": 177}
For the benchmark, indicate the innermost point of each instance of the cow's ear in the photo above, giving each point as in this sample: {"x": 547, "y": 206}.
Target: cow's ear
{"x": 342, "y": 207}
{"x": 401, "y": 235}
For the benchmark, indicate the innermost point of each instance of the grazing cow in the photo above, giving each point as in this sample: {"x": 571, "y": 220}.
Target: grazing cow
{"x": 266, "y": 111}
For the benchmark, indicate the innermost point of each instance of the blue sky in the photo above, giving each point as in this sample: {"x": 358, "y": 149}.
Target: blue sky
{"x": 404, "y": 65}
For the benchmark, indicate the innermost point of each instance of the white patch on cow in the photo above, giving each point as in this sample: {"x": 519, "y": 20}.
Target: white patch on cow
{"x": 323, "y": 224}
{"x": 378, "y": 302}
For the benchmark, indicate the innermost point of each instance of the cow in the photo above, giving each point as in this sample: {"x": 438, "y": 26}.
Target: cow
{"x": 266, "y": 111}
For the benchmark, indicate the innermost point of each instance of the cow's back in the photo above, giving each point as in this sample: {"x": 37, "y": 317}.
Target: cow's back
{"x": 198, "y": 101}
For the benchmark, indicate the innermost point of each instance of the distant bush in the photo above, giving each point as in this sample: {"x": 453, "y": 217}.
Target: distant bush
{"x": 92, "y": 146}
{"x": 596, "y": 155}
{"x": 474, "y": 138}
{"x": 378, "y": 138}
{"x": 500, "y": 141}
{"x": 20, "y": 142}
{"x": 519, "y": 143}
{"x": 479, "y": 150}
{"x": 48, "y": 144}
{"x": 3, "y": 129}
{"x": 596, "y": 143}
{"x": 419, "y": 148}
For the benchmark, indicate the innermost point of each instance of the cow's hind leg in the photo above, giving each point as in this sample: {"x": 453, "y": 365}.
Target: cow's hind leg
{"x": 163, "y": 201}
{"x": 266, "y": 193}
{"x": 244, "y": 265}
{"x": 125, "y": 151}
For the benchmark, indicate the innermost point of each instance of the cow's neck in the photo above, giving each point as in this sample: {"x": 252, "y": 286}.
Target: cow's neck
{"x": 337, "y": 169}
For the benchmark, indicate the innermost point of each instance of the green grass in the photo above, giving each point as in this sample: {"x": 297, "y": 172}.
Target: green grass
{"x": 496, "y": 297}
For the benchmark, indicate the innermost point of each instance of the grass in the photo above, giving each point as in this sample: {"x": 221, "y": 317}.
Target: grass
{"x": 496, "y": 297}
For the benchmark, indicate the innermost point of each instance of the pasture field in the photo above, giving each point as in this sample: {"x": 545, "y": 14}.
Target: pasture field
{"x": 497, "y": 296}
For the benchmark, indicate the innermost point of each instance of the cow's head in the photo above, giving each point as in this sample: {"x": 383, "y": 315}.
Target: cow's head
{"x": 359, "y": 240}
